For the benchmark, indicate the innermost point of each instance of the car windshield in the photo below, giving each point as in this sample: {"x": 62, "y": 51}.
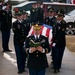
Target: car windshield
{"x": 71, "y": 13}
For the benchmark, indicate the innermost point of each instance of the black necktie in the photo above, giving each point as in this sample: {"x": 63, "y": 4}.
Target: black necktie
{"x": 36, "y": 38}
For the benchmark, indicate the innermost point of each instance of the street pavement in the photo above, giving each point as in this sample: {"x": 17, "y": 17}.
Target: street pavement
{"x": 8, "y": 64}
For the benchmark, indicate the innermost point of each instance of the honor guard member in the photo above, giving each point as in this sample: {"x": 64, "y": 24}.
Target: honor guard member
{"x": 59, "y": 42}
{"x": 50, "y": 20}
{"x": 33, "y": 13}
{"x": 26, "y": 24}
{"x": 26, "y": 21}
{"x": 6, "y": 26}
{"x": 0, "y": 16}
{"x": 37, "y": 60}
{"x": 20, "y": 34}
{"x": 40, "y": 11}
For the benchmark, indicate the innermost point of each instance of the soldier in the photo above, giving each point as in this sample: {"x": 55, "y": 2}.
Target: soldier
{"x": 6, "y": 26}
{"x": 59, "y": 42}
{"x": 26, "y": 21}
{"x": 0, "y": 16}
{"x": 40, "y": 11}
{"x": 37, "y": 60}
{"x": 50, "y": 20}
{"x": 33, "y": 13}
{"x": 20, "y": 33}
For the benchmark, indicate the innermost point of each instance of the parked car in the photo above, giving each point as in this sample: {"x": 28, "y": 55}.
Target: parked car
{"x": 70, "y": 20}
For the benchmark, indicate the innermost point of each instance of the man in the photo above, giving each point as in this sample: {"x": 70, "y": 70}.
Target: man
{"x": 20, "y": 33}
{"x": 40, "y": 11}
{"x": 6, "y": 26}
{"x": 37, "y": 46}
{"x": 50, "y": 20}
{"x": 26, "y": 21}
{"x": 59, "y": 41}
{"x": 33, "y": 13}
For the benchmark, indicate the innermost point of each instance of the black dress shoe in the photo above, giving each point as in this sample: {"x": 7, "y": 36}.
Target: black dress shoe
{"x": 58, "y": 70}
{"x": 7, "y": 50}
{"x": 55, "y": 71}
{"x": 20, "y": 72}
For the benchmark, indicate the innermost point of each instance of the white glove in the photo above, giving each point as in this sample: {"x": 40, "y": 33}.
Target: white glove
{"x": 54, "y": 44}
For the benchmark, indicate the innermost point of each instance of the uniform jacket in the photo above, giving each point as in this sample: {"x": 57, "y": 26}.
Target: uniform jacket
{"x": 50, "y": 21}
{"x": 6, "y": 20}
{"x": 59, "y": 34}
{"x": 20, "y": 31}
{"x": 40, "y": 16}
{"x": 33, "y": 15}
{"x": 37, "y": 60}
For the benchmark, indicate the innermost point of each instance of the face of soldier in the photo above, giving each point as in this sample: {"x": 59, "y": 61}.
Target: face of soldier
{"x": 38, "y": 5}
{"x": 8, "y": 7}
{"x": 34, "y": 6}
{"x": 51, "y": 13}
{"x": 59, "y": 18}
{"x": 37, "y": 32}
{"x": 24, "y": 16}
{"x": 19, "y": 17}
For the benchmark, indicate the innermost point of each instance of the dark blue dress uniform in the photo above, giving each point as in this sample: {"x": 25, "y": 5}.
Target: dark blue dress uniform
{"x": 20, "y": 33}
{"x": 33, "y": 15}
{"x": 40, "y": 16}
{"x": 0, "y": 16}
{"x": 37, "y": 61}
{"x": 59, "y": 40}
{"x": 50, "y": 20}
{"x": 6, "y": 18}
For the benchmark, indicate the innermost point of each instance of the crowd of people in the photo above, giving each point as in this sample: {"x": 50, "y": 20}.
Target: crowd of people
{"x": 35, "y": 47}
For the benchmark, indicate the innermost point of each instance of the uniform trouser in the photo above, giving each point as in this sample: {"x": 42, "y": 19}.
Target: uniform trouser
{"x": 57, "y": 56}
{"x": 20, "y": 55}
{"x": 37, "y": 72}
{"x": 5, "y": 39}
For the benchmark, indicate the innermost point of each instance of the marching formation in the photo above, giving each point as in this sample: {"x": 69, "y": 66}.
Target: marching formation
{"x": 34, "y": 48}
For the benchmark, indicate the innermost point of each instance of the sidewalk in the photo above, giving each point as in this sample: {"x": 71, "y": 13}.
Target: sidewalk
{"x": 8, "y": 62}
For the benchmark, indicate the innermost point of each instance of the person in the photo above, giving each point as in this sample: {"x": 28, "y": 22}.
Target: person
{"x": 40, "y": 11}
{"x": 27, "y": 26}
{"x": 50, "y": 20}
{"x": 20, "y": 33}
{"x": 33, "y": 13}
{"x": 37, "y": 46}
{"x": 6, "y": 26}
{"x": 26, "y": 21}
{"x": 59, "y": 41}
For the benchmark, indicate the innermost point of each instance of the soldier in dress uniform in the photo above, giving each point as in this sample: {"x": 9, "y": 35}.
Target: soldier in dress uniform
{"x": 20, "y": 33}
{"x": 33, "y": 13}
{"x": 6, "y": 26}
{"x": 37, "y": 60}
{"x": 27, "y": 24}
{"x": 26, "y": 21}
{"x": 59, "y": 41}
{"x": 40, "y": 11}
{"x": 50, "y": 20}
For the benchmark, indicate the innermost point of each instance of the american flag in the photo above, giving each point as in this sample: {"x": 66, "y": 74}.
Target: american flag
{"x": 45, "y": 31}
